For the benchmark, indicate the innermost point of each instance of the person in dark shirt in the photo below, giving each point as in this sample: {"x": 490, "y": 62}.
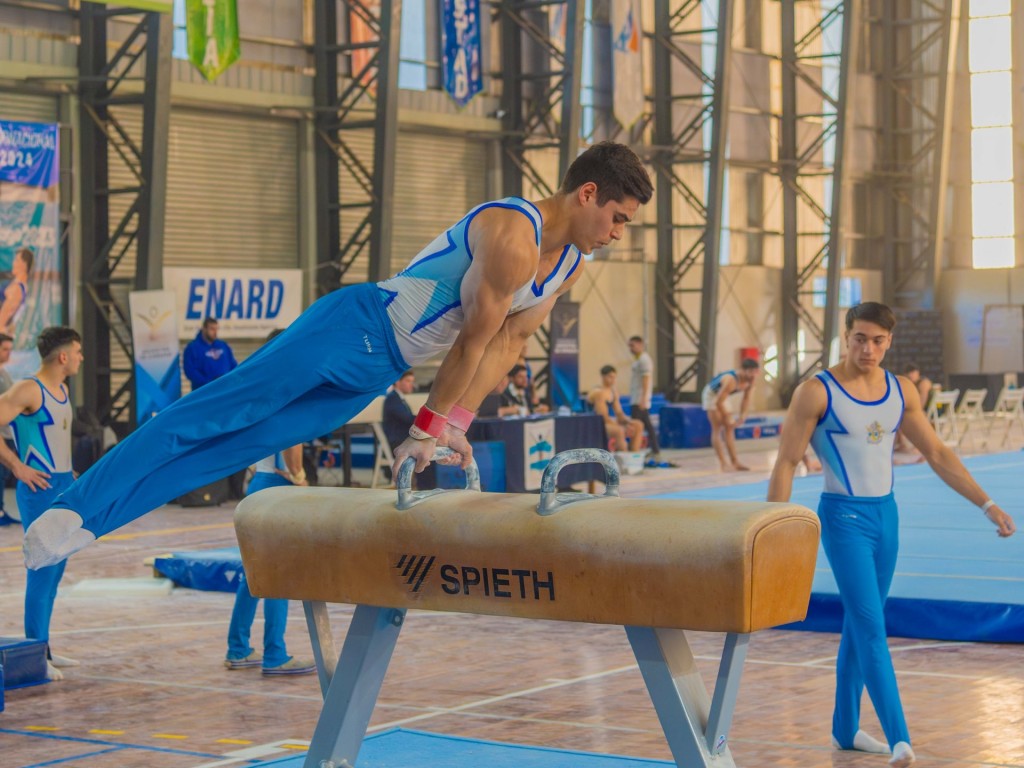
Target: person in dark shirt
{"x": 206, "y": 357}
{"x": 398, "y": 417}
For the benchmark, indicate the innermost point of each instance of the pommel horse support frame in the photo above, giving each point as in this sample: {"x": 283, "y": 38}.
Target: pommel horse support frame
{"x": 656, "y": 567}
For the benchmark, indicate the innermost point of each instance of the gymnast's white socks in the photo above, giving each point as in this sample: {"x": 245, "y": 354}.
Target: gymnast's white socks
{"x": 54, "y": 536}
{"x": 862, "y": 742}
{"x": 902, "y": 755}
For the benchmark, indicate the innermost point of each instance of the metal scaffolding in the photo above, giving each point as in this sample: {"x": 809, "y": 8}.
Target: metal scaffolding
{"x": 540, "y": 94}
{"x": 690, "y": 126}
{"x": 918, "y": 45}
{"x": 127, "y": 254}
{"x": 542, "y": 57}
{"x": 355, "y": 52}
{"x": 811, "y": 154}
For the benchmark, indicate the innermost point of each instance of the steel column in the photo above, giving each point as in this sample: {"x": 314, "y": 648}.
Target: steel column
{"x": 809, "y": 220}
{"x": 690, "y": 130}
{"x": 144, "y": 57}
{"x": 919, "y": 42}
{"x": 355, "y": 48}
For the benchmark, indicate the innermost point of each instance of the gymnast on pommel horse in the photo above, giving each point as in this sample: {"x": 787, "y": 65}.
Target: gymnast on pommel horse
{"x": 656, "y": 567}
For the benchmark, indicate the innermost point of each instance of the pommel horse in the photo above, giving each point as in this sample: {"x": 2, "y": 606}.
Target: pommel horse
{"x": 656, "y": 567}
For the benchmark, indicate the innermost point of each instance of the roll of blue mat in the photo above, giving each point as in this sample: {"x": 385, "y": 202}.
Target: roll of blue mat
{"x": 23, "y": 660}
{"x": 211, "y": 570}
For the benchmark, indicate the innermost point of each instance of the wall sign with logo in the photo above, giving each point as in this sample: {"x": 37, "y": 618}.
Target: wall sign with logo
{"x": 248, "y": 303}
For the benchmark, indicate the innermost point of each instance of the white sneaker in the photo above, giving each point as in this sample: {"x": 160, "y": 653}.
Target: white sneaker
{"x": 52, "y": 673}
{"x": 62, "y": 661}
{"x": 902, "y": 755}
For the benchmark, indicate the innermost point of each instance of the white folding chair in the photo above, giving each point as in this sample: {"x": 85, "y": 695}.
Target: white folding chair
{"x": 970, "y": 414}
{"x": 373, "y": 415}
{"x": 1009, "y": 410}
{"x": 942, "y": 415}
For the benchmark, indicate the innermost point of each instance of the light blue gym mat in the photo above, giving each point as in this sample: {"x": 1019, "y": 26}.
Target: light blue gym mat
{"x": 400, "y": 748}
{"x": 955, "y": 579}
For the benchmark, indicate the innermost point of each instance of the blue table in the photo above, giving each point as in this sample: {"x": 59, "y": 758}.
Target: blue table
{"x": 531, "y": 442}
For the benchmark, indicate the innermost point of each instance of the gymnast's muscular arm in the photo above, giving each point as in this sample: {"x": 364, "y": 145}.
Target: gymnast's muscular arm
{"x": 505, "y": 258}
{"x": 942, "y": 459}
{"x": 808, "y": 403}
{"x": 23, "y": 397}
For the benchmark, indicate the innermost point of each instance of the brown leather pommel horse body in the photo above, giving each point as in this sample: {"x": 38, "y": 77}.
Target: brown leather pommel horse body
{"x": 656, "y": 567}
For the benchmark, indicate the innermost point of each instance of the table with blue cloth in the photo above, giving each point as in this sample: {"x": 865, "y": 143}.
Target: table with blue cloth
{"x": 533, "y": 433}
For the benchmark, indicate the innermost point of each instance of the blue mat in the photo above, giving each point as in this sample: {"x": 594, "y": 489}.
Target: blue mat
{"x": 955, "y": 579}
{"x": 400, "y": 748}
{"x": 212, "y": 570}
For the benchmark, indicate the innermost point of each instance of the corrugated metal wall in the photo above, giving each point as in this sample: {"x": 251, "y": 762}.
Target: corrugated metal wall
{"x": 28, "y": 107}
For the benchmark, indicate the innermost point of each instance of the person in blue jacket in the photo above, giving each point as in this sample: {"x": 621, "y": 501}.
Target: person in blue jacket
{"x": 207, "y": 357}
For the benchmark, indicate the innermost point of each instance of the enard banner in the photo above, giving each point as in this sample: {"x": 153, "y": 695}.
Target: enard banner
{"x": 31, "y": 295}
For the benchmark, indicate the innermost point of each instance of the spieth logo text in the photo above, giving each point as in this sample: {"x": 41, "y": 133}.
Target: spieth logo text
{"x": 478, "y": 581}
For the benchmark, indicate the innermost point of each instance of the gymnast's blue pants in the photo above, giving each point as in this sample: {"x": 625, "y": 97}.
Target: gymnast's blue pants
{"x": 40, "y": 585}
{"x": 323, "y": 370}
{"x": 275, "y": 611}
{"x": 860, "y": 538}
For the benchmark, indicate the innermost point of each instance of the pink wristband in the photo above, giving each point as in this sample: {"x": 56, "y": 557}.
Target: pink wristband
{"x": 460, "y": 417}
{"x": 429, "y": 422}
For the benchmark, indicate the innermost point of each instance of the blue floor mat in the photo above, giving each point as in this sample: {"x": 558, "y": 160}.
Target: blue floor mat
{"x": 955, "y": 579}
{"x": 400, "y": 748}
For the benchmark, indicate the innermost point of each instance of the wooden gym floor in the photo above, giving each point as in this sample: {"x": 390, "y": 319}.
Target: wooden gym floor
{"x": 152, "y": 692}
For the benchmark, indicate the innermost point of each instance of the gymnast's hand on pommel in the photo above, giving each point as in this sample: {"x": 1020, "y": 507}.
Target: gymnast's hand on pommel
{"x": 1002, "y": 520}
{"x": 421, "y": 449}
{"x": 455, "y": 439}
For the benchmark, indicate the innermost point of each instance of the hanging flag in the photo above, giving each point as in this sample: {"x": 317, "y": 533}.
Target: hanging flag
{"x": 460, "y": 40}
{"x": 212, "y": 27}
{"x": 160, "y": 6}
{"x": 627, "y": 65}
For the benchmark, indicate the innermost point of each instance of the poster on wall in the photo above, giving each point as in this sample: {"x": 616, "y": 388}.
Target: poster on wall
{"x": 538, "y": 450}
{"x": 31, "y": 297}
{"x": 247, "y": 303}
{"x": 564, "y": 366}
{"x": 155, "y": 349}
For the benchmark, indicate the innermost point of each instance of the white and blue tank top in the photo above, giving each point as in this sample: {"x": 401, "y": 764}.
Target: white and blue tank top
{"x": 854, "y": 439}
{"x": 424, "y": 301}
{"x": 716, "y": 383}
{"x": 43, "y": 438}
{"x": 271, "y": 464}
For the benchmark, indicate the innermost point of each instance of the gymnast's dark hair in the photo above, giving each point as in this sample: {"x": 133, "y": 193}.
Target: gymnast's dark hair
{"x": 51, "y": 340}
{"x": 615, "y": 169}
{"x": 871, "y": 312}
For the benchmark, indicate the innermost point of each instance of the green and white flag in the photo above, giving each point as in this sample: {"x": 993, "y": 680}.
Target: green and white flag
{"x": 212, "y": 26}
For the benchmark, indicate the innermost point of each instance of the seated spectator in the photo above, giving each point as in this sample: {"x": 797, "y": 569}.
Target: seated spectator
{"x": 491, "y": 406}
{"x": 624, "y": 433}
{"x": 517, "y": 394}
{"x": 396, "y": 420}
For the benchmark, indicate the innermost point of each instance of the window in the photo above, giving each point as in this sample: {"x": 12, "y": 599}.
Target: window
{"x": 990, "y": 61}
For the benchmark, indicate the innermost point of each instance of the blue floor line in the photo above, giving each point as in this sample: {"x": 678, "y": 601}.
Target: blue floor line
{"x": 73, "y": 757}
{"x": 105, "y": 743}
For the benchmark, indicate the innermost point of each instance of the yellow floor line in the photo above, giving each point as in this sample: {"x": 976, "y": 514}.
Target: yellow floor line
{"x": 169, "y": 736}
{"x": 41, "y": 728}
{"x": 242, "y": 742}
{"x": 103, "y": 732}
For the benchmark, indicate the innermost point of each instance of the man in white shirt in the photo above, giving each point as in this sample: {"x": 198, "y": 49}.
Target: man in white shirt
{"x": 641, "y": 387}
